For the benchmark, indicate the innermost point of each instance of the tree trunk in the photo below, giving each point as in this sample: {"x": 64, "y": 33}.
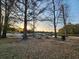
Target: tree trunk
{"x": 6, "y": 20}
{"x": 25, "y": 22}
{"x": 0, "y": 19}
{"x": 55, "y": 33}
{"x": 33, "y": 26}
{"x": 64, "y": 21}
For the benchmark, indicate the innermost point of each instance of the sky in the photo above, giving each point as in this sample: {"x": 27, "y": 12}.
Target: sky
{"x": 74, "y": 11}
{"x": 73, "y": 17}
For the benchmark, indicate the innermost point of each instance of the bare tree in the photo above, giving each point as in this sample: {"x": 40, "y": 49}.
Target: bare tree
{"x": 6, "y": 19}
{"x": 8, "y": 5}
{"x": 25, "y": 21}
{"x": 64, "y": 19}
{"x": 0, "y": 19}
{"x": 64, "y": 8}
{"x": 55, "y": 33}
{"x": 36, "y": 11}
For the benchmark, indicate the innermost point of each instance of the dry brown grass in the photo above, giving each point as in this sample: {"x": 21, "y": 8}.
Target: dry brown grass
{"x": 41, "y": 49}
{"x": 7, "y": 40}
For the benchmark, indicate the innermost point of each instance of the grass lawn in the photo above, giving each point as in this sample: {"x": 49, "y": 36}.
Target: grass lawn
{"x": 39, "y": 49}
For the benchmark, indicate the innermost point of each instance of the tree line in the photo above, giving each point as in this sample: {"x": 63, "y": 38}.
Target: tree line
{"x": 72, "y": 29}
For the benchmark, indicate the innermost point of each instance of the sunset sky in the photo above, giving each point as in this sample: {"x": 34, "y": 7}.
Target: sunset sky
{"x": 73, "y": 17}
